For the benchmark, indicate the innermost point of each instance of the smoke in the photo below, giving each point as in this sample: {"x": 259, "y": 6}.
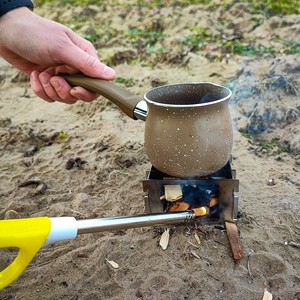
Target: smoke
{"x": 266, "y": 95}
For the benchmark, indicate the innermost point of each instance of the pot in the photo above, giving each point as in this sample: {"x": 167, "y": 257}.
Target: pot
{"x": 188, "y": 130}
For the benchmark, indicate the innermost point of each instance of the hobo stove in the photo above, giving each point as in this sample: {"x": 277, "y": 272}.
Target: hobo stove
{"x": 217, "y": 192}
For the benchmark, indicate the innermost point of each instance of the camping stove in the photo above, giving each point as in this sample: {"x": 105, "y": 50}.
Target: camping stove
{"x": 215, "y": 194}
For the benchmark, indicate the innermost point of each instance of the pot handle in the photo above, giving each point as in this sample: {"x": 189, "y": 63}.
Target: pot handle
{"x": 118, "y": 95}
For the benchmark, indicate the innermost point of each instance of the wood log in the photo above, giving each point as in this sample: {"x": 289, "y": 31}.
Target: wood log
{"x": 179, "y": 206}
{"x": 234, "y": 240}
{"x": 173, "y": 192}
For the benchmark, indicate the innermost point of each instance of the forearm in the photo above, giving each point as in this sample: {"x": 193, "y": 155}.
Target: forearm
{"x": 6, "y": 5}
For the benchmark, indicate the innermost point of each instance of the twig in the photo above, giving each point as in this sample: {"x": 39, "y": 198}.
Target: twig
{"x": 220, "y": 243}
{"x": 193, "y": 244}
{"x": 116, "y": 172}
{"x": 248, "y": 265}
{"x": 294, "y": 244}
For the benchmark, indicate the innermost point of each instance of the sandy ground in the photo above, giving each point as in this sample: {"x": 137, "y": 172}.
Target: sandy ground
{"x": 111, "y": 164}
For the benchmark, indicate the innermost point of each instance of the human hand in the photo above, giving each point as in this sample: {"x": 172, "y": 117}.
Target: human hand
{"x": 43, "y": 49}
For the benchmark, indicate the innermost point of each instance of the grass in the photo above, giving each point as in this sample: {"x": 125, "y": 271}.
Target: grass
{"x": 199, "y": 39}
{"x": 125, "y": 81}
{"x": 148, "y": 37}
{"x": 275, "y": 7}
{"x": 265, "y": 7}
{"x": 274, "y": 147}
{"x": 147, "y": 41}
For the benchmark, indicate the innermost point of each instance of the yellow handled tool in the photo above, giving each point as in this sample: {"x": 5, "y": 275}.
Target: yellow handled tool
{"x": 29, "y": 235}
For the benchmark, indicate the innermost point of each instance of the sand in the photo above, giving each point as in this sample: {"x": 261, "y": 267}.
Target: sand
{"x": 106, "y": 179}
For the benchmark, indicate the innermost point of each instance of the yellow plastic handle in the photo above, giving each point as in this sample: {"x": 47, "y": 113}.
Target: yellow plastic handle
{"x": 28, "y": 235}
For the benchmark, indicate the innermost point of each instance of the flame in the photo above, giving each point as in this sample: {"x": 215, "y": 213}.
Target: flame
{"x": 201, "y": 211}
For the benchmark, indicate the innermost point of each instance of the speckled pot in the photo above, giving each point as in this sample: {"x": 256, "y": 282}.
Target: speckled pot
{"x": 188, "y": 128}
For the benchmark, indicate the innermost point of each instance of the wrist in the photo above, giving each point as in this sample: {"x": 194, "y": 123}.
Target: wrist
{"x": 7, "y": 6}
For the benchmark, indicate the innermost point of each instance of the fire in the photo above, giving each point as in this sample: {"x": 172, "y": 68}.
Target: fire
{"x": 201, "y": 211}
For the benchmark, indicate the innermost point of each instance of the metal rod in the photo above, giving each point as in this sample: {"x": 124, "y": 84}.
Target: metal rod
{"x": 117, "y": 223}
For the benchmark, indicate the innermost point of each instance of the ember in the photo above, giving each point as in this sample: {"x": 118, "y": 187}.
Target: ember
{"x": 198, "y": 197}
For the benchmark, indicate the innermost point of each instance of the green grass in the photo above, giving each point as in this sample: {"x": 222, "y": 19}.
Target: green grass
{"x": 147, "y": 41}
{"x": 266, "y": 7}
{"x": 275, "y": 7}
{"x": 274, "y": 147}
{"x": 199, "y": 39}
{"x": 149, "y": 37}
{"x": 125, "y": 81}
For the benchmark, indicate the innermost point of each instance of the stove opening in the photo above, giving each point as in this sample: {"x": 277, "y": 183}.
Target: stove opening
{"x": 201, "y": 197}
{"x": 213, "y": 198}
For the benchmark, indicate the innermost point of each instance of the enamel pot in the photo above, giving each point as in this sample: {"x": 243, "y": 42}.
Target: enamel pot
{"x": 188, "y": 130}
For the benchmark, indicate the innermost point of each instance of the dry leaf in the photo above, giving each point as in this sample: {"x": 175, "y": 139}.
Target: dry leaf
{"x": 267, "y": 295}
{"x": 196, "y": 236}
{"x": 164, "y": 240}
{"x": 112, "y": 263}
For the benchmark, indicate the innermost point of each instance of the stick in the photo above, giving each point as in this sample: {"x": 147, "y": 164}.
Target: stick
{"x": 291, "y": 243}
{"x": 234, "y": 240}
{"x": 248, "y": 266}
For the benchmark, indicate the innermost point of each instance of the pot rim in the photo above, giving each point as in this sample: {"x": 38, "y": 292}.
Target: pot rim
{"x": 188, "y": 105}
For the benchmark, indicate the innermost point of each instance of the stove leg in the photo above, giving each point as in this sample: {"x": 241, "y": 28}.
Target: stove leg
{"x": 234, "y": 240}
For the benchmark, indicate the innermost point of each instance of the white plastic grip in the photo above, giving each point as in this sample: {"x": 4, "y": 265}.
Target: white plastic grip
{"x": 62, "y": 228}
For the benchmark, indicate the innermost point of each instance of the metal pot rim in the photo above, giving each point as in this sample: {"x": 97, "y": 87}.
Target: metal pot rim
{"x": 187, "y": 105}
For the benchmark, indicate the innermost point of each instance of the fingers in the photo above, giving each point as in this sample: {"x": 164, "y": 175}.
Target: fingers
{"x": 37, "y": 87}
{"x": 55, "y": 88}
{"x": 83, "y": 56}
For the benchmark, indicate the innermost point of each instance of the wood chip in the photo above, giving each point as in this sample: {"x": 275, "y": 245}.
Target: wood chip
{"x": 164, "y": 240}
{"x": 112, "y": 263}
{"x": 195, "y": 254}
{"x": 267, "y": 295}
{"x": 173, "y": 192}
{"x": 193, "y": 245}
{"x": 196, "y": 236}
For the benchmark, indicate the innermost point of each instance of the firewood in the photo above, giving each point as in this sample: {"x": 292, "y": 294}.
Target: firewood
{"x": 173, "y": 192}
{"x": 201, "y": 211}
{"x": 179, "y": 206}
{"x": 234, "y": 240}
{"x": 213, "y": 201}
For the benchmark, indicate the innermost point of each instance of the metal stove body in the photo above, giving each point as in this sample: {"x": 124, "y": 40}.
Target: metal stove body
{"x": 223, "y": 181}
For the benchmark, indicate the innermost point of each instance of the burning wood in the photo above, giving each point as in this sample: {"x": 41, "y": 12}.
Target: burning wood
{"x": 213, "y": 201}
{"x": 201, "y": 211}
{"x": 179, "y": 206}
{"x": 182, "y": 198}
